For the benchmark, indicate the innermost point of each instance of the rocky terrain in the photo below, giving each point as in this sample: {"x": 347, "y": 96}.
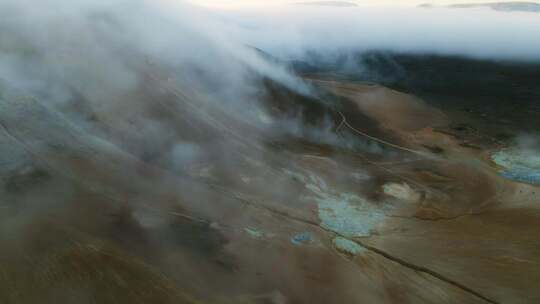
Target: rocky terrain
{"x": 136, "y": 170}
{"x": 396, "y": 207}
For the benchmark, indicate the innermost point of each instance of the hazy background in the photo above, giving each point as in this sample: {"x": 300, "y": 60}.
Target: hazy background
{"x": 240, "y": 3}
{"x": 287, "y": 29}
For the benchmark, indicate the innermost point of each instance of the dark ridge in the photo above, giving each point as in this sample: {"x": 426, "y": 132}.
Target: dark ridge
{"x": 452, "y": 76}
{"x": 498, "y": 92}
{"x": 322, "y": 106}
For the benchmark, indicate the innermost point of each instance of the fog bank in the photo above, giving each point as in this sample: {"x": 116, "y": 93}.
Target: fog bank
{"x": 291, "y": 30}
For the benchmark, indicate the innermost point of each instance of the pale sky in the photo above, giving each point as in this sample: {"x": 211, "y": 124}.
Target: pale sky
{"x": 248, "y": 3}
{"x": 289, "y": 31}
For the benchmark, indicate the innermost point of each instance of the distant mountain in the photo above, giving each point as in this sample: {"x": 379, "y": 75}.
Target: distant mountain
{"x": 472, "y": 84}
{"x": 329, "y": 3}
{"x": 424, "y": 74}
{"x": 514, "y": 6}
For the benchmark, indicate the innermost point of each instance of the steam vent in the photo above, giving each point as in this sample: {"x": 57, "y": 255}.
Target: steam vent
{"x": 269, "y": 152}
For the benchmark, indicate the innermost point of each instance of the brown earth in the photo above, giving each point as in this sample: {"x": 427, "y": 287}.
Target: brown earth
{"x": 100, "y": 217}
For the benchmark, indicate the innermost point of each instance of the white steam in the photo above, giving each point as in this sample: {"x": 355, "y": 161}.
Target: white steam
{"x": 291, "y": 30}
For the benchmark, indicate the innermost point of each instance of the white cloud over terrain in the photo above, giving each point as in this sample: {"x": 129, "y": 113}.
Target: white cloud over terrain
{"x": 290, "y": 30}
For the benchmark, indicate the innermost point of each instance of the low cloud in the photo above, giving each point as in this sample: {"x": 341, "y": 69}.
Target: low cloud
{"x": 292, "y": 30}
